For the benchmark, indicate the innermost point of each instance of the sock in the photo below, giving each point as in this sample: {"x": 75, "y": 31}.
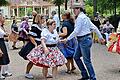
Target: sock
{"x": 4, "y": 69}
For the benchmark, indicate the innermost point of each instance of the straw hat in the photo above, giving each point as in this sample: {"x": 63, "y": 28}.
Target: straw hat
{"x": 77, "y": 5}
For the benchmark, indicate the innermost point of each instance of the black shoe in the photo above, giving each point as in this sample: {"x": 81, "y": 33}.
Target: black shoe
{"x": 72, "y": 70}
{"x": 83, "y": 79}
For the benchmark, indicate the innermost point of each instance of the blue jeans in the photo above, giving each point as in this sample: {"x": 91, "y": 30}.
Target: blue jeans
{"x": 83, "y": 50}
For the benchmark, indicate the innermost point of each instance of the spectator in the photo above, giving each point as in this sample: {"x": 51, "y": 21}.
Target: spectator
{"x": 56, "y": 19}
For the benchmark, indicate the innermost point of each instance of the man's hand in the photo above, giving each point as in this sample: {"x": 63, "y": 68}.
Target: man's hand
{"x": 102, "y": 40}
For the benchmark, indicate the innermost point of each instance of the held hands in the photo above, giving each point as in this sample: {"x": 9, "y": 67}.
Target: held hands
{"x": 63, "y": 40}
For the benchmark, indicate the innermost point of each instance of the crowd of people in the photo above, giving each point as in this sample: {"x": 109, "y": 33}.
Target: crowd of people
{"x": 47, "y": 45}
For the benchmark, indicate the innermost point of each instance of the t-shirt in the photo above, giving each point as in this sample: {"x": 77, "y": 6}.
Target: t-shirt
{"x": 50, "y": 38}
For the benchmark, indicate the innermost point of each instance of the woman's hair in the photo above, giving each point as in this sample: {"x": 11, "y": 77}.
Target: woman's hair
{"x": 38, "y": 19}
{"x": 69, "y": 17}
{"x": 50, "y": 22}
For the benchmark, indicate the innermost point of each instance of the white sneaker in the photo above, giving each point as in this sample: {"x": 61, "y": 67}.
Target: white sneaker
{"x": 29, "y": 76}
{"x": 2, "y": 77}
{"x": 7, "y": 74}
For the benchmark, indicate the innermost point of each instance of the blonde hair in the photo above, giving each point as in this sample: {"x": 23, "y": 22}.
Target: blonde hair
{"x": 38, "y": 19}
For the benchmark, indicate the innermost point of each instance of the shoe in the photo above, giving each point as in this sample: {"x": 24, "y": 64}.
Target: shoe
{"x": 49, "y": 76}
{"x": 7, "y": 74}
{"x": 68, "y": 72}
{"x": 29, "y": 76}
{"x": 15, "y": 48}
{"x": 2, "y": 77}
{"x": 73, "y": 69}
{"x": 83, "y": 79}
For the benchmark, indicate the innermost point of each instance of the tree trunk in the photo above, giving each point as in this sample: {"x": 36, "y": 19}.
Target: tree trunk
{"x": 94, "y": 7}
{"x": 65, "y": 4}
{"x": 59, "y": 11}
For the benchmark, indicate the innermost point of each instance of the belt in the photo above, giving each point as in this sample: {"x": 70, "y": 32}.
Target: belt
{"x": 83, "y": 36}
{"x": 1, "y": 38}
{"x": 51, "y": 45}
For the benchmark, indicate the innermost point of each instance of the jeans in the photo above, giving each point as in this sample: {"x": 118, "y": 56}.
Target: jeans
{"x": 83, "y": 50}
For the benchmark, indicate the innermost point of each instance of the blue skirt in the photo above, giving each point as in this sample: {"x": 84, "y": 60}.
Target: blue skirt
{"x": 68, "y": 48}
{"x": 4, "y": 60}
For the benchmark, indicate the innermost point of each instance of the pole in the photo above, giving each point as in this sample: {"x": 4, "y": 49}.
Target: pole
{"x": 115, "y": 8}
{"x": 115, "y": 16}
{"x": 95, "y": 6}
{"x": 65, "y": 4}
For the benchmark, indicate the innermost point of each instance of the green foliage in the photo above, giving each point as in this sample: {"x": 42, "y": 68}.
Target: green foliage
{"x": 89, "y": 10}
{"x": 105, "y": 7}
{"x": 4, "y": 3}
{"x": 58, "y": 2}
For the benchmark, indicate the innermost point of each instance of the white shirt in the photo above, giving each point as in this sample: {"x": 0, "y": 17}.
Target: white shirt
{"x": 56, "y": 19}
{"x": 108, "y": 26}
{"x": 84, "y": 26}
{"x": 2, "y": 33}
{"x": 50, "y": 38}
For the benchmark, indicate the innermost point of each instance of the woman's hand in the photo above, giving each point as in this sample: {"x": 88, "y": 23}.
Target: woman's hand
{"x": 46, "y": 50}
{"x": 63, "y": 40}
{"x": 35, "y": 44}
{"x": 1, "y": 53}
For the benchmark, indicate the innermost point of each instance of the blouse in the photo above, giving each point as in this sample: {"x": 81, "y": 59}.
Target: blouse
{"x": 50, "y": 38}
{"x": 35, "y": 32}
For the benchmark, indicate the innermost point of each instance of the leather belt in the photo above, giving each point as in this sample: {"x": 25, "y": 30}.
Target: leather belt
{"x": 83, "y": 36}
{"x": 51, "y": 45}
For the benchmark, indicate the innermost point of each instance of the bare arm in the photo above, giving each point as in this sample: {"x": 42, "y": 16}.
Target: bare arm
{"x": 64, "y": 32}
{"x": 44, "y": 45}
{"x": 33, "y": 41}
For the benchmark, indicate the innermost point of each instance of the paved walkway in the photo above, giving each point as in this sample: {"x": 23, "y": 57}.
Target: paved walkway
{"x": 106, "y": 66}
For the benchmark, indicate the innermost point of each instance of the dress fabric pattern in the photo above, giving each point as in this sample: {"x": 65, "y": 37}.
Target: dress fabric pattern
{"x": 52, "y": 59}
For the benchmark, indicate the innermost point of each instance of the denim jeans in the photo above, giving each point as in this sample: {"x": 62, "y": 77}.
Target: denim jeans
{"x": 83, "y": 50}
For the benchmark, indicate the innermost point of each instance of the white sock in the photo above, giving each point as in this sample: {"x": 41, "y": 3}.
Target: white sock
{"x": 5, "y": 69}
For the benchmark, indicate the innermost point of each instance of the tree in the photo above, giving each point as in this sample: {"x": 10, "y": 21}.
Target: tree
{"x": 66, "y": 4}
{"x": 4, "y": 3}
{"x": 58, "y": 3}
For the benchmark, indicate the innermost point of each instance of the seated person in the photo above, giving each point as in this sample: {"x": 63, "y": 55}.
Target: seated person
{"x": 107, "y": 29}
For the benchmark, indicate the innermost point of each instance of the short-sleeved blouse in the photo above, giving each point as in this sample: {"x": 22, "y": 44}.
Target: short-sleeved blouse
{"x": 35, "y": 32}
{"x": 50, "y": 38}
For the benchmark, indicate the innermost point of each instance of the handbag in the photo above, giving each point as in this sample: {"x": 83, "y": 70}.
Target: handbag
{"x": 118, "y": 45}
